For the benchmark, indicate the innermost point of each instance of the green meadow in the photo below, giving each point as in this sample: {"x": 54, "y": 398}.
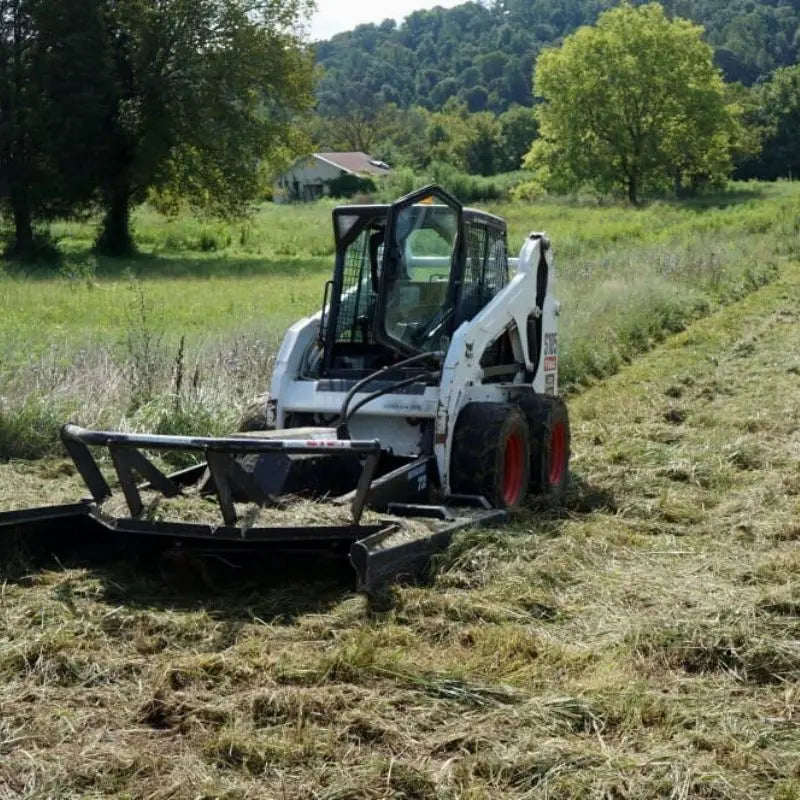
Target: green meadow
{"x": 181, "y": 336}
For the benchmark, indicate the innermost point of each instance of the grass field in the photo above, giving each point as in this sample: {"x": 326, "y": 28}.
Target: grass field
{"x": 181, "y": 336}
{"x": 640, "y": 641}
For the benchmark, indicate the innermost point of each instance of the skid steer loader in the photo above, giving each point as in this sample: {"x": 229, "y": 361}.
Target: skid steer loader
{"x": 422, "y": 398}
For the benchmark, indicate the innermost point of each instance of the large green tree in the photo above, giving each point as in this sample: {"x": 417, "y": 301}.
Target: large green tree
{"x": 777, "y": 114}
{"x": 633, "y": 103}
{"x": 53, "y": 69}
{"x": 20, "y": 128}
{"x": 518, "y": 128}
{"x": 203, "y": 91}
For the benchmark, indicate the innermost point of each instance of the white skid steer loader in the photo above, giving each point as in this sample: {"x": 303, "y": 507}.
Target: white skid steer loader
{"x": 425, "y": 389}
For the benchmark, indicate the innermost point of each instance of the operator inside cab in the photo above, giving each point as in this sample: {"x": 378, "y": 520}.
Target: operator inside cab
{"x": 418, "y": 303}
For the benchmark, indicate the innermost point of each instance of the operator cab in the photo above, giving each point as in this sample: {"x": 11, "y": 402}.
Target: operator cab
{"x": 406, "y": 276}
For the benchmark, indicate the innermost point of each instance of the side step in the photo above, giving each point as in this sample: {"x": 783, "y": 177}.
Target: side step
{"x": 393, "y": 555}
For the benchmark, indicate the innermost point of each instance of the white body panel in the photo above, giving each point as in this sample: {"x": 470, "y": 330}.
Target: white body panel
{"x": 395, "y": 418}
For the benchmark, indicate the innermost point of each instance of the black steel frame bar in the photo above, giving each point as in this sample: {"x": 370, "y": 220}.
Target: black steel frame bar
{"x": 233, "y": 444}
{"x": 227, "y": 534}
{"x": 375, "y": 563}
{"x": 226, "y": 473}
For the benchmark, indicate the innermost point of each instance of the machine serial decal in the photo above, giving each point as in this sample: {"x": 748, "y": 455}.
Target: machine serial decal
{"x": 404, "y": 407}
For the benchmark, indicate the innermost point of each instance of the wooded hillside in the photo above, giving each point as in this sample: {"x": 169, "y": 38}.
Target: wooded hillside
{"x": 483, "y": 52}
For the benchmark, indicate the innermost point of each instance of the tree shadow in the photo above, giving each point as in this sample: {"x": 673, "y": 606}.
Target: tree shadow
{"x": 190, "y": 266}
{"x": 88, "y": 266}
{"x": 716, "y": 200}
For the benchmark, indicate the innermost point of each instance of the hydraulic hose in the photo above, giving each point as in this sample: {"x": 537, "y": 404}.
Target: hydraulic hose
{"x": 345, "y": 413}
{"x": 391, "y": 388}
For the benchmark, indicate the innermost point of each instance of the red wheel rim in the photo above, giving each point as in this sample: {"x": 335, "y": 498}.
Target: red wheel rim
{"x": 513, "y": 469}
{"x": 558, "y": 454}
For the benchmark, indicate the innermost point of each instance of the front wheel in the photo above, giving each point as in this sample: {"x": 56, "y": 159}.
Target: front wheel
{"x": 491, "y": 454}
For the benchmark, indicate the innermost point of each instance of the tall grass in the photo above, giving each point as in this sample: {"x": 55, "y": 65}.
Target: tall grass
{"x": 181, "y": 336}
{"x": 628, "y": 277}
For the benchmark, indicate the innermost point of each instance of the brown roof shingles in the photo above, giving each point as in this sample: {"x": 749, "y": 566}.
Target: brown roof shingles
{"x": 359, "y": 163}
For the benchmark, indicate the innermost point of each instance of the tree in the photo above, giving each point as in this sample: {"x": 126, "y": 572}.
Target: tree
{"x": 52, "y": 78}
{"x": 481, "y": 149}
{"x": 518, "y": 128}
{"x": 634, "y": 103}
{"x": 354, "y": 126}
{"x": 476, "y": 98}
{"x": 203, "y": 91}
{"x": 19, "y": 120}
{"x": 493, "y": 43}
{"x": 448, "y": 132}
{"x": 402, "y": 136}
{"x": 778, "y": 115}
{"x": 443, "y": 91}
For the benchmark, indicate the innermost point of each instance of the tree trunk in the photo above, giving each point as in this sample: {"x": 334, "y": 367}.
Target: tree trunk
{"x": 115, "y": 235}
{"x": 633, "y": 189}
{"x": 23, "y": 225}
{"x": 15, "y": 119}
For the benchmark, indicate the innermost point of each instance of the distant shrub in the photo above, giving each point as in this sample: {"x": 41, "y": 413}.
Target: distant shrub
{"x": 29, "y": 429}
{"x": 172, "y": 241}
{"x": 348, "y": 185}
{"x": 208, "y": 242}
{"x": 467, "y": 188}
{"x": 401, "y": 181}
{"x": 528, "y": 192}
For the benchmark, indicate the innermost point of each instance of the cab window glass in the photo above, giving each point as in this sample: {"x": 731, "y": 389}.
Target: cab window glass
{"x": 417, "y": 289}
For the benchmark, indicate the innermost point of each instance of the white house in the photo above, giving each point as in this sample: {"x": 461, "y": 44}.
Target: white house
{"x": 311, "y": 176}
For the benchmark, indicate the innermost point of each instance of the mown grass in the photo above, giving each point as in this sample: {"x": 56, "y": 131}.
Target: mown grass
{"x": 183, "y": 334}
{"x": 640, "y": 641}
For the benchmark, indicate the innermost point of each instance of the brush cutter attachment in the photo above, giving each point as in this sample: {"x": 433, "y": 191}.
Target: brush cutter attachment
{"x": 249, "y": 469}
{"x": 290, "y": 491}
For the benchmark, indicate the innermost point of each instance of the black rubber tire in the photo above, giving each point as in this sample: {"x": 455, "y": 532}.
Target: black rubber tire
{"x": 491, "y": 454}
{"x": 550, "y": 443}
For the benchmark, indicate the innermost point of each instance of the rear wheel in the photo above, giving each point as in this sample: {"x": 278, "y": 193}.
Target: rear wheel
{"x": 491, "y": 454}
{"x": 550, "y": 444}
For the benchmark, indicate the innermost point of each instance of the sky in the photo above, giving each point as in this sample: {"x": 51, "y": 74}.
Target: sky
{"x": 335, "y": 16}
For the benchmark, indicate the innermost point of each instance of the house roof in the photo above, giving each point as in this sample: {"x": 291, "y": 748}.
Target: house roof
{"x": 356, "y": 163}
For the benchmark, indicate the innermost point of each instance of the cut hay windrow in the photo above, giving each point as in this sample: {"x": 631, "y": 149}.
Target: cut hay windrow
{"x": 289, "y": 511}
